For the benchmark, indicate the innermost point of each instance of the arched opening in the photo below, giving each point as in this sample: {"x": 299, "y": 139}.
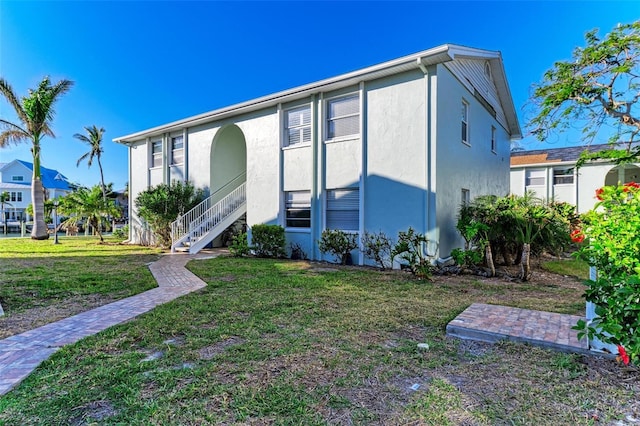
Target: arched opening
{"x": 624, "y": 174}
{"x": 228, "y": 161}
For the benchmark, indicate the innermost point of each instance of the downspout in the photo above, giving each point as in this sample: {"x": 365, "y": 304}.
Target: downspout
{"x": 429, "y": 200}
{"x": 130, "y": 195}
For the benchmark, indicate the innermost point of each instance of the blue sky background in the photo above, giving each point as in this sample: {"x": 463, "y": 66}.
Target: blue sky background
{"x": 141, "y": 64}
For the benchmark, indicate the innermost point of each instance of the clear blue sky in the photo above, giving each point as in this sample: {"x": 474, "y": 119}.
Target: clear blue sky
{"x": 141, "y": 64}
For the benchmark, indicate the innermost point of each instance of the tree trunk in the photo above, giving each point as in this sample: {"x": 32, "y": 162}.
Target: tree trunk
{"x": 39, "y": 231}
{"x": 489, "y": 259}
{"x": 524, "y": 263}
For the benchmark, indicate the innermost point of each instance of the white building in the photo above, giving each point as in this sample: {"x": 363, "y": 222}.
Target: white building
{"x": 15, "y": 179}
{"x": 387, "y": 147}
{"x": 551, "y": 175}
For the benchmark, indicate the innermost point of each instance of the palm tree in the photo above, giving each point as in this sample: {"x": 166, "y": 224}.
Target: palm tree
{"x": 88, "y": 204}
{"x": 94, "y": 139}
{"x": 4, "y": 201}
{"x": 35, "y": 113}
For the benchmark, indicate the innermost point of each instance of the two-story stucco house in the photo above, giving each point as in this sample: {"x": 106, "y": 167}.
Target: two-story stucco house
{"x": 15, "y": 179}
{"x": 395, "y": 145}
{"x": 550, "y": 174}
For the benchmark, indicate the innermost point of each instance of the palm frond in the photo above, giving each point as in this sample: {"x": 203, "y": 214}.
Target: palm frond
{"x": 13, "y": 135}
{"x": 7, "y": 91}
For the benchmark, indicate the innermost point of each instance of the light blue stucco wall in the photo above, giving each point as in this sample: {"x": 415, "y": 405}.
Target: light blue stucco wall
{"x": 474, "y": 167}
{"x": 395, "y": 184}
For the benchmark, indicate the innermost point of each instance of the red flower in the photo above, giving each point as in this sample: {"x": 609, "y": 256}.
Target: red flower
{"x": 629, "y": 185}
{"x": 622, "y": 355}
{"x": 599, "y": 192}
{"x": 577, "y": 236}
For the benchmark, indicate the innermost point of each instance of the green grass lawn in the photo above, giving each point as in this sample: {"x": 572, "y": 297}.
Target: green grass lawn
{"x": 570, "y": 267}
{"x": 296, "y": 343}
{"x": 38, "y": 273}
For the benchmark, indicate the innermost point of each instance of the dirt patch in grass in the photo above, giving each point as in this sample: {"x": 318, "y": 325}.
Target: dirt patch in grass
{"x": 54, "y": 311}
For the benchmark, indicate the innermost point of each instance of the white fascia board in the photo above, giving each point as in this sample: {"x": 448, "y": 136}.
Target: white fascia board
{"x": 427, "y": 57}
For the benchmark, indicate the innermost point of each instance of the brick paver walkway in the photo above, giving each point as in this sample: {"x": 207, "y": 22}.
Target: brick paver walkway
{"x": 490, "y": 323}
{"x": 22, "y": 353}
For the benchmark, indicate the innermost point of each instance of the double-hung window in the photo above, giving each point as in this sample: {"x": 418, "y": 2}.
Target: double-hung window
{"x": 562, "y": 176}
{"x": 16, "y": 196}
{"x": 156, "y": 154}
{"x": 536, "y": 177}
{"x": 343, "y": 116}
{"x": 298, "y": 209}
{"x": 343, "y": 209}
{"x": 298, "y": 126}
{"x": 17, "y": 178}
{"x": 177, "y": 150}
{"x": 465, "y": 122}
{"x": 465, "y": 197}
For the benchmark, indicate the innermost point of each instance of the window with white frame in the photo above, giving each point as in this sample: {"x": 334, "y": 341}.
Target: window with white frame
{"x": 465, "y": 196}
{"x": 535, "y": 177}
{"x": 343, "y": 209}
{"x": 465, "y": 122}
{"x": 493, "y": 139}
{"x": 298, "y": 209}
{"x": 297, "y": 124}
{"x": 17, "y": 178}
{"x": 343, "y": 116}
{"x": 16, "y": 196}
{"x": 562, "y": 176}
{"x": 177, "y": 150}
{"x": 487, "y": 70}
{"x": 156, "y": 154}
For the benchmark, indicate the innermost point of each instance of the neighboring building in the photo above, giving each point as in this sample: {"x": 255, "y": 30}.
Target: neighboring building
{"x": 15, "y": 179}
{"x": 551, "y": 175}
{"x": 396, "y": 145}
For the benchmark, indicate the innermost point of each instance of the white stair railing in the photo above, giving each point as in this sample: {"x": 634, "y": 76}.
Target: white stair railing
{"x": 217, "y": 213}
{"x": 180, "y": 227}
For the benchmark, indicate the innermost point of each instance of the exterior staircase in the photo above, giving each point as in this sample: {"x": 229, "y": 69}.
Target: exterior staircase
{"x": 200, "y": 225}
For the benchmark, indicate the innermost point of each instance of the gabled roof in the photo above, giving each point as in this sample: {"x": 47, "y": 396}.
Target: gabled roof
{"x": 553, "y": 155}
{"x": 420, "y": 60}
{"x": 51, "y": 179}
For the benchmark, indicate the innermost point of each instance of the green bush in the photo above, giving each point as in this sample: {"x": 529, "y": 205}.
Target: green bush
{"x": 610, "y": 236}
{"x": 268, "y": 240}
{"x": 122, "y": 233}
{"x": 338, "y": 243}
{"x": 412, "y": 248}
{"x": 466, "y": 258}
{"x": 377, "y": 246}
{"x": 239, "y": 245}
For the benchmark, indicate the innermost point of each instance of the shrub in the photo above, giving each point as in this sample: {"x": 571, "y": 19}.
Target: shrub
{"x": 268, "y": 240}
{"x": 338, "y": 243}
{"x": 466, "y": 258}
{"x": 239, "y": 245}
{"x": 122, "y": 233}
{"x": 377, "y": 246}
{"x": 611, "y": 242}
{"x": 297, "y": 253}
{"x": 412, "y": 248}
{"x": 160, "y": 205}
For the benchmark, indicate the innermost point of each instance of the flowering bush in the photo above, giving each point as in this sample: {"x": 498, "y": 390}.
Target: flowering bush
{"x": 611, "y": 235}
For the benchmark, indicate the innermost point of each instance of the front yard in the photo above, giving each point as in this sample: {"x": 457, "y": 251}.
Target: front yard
{"x": 282, "y": 342}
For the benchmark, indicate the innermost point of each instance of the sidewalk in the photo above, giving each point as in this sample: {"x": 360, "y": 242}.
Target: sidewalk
{"x": 22, "y": 353}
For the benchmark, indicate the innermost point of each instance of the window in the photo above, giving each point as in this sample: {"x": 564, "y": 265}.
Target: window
{"x": 493, "y": 139}
{"x": 298, "y": 209}
{"x": 156, "y": 154}
{"x": 343, "y": 116}
{"x": 343, "y": 209}
{"x": 466, "y": 196}
{"x": 487, "y": 70}
{"x": 298, "y": 126}
{"x": 465, "y": 122}
{"x": 177, "y": 150}
{"x": 535, "y": 177}
{"x": 562, "y": 176}
{"x": 16, "y": 196}
{"x": 17, "y": 178}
